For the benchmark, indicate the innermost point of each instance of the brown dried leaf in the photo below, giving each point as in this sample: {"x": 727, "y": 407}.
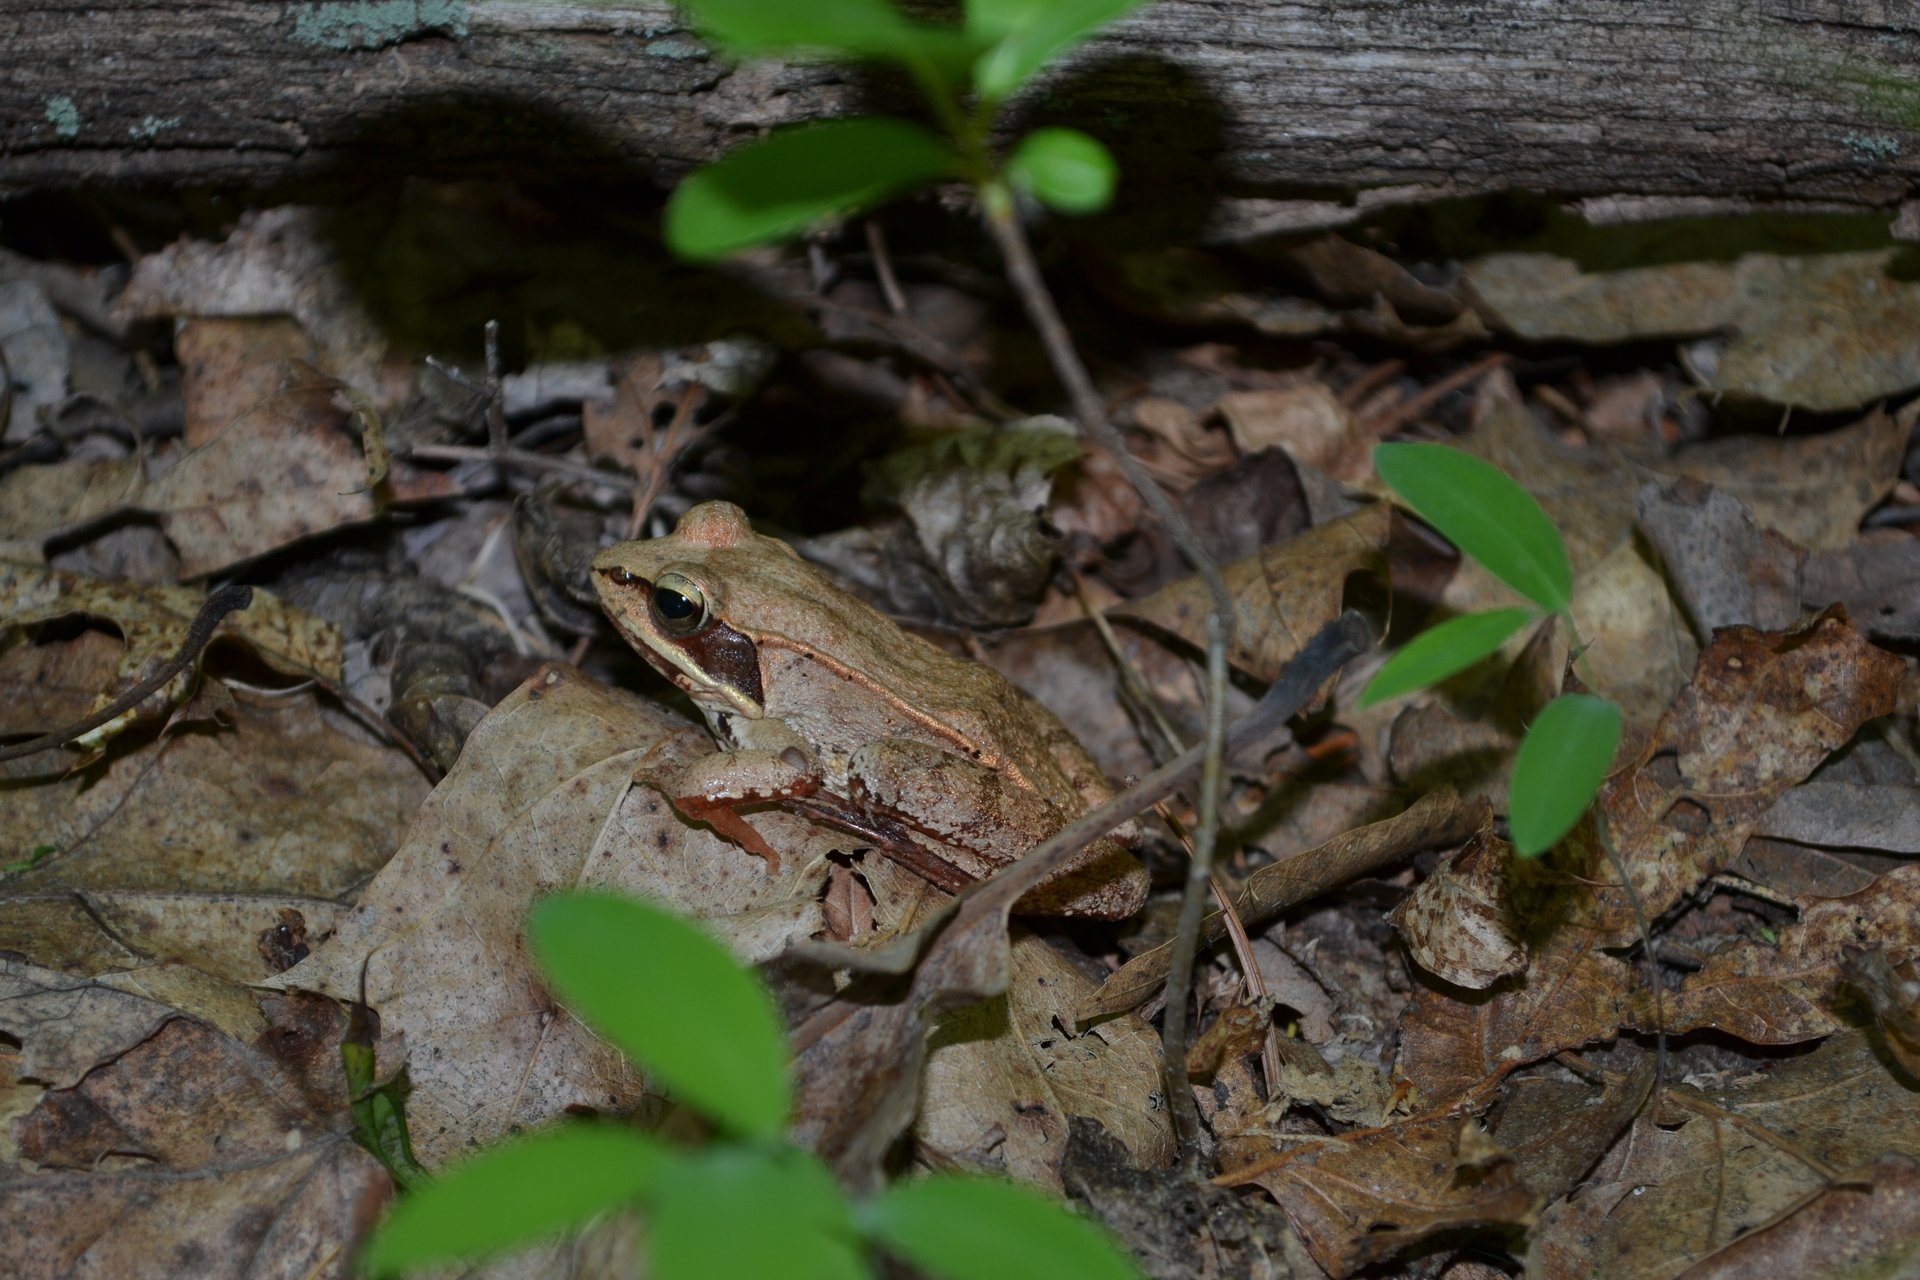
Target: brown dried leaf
{"x": 1814, "y": 489}
{"x": 1307, "y": 420}
{"x": 1868, "y": 1225}
{"x": 1556, "y": 1129}
{"x": 1877, "y": 577}
{"x": 542, "y": 799}
{"x": 1717, "y": 1163}
{"x": 278, "y": 802}
{"x": 238, "y": 1171}
{"x": 1820, "y": 331}
{"x": 1365, "y": 1196}
{"x": 1763, "y": 709}
{"x": 230, "y": 364}
{"x": 1786, "y": 992}
{"x": 1847, "y": 815}
{"x": 1728, "y": 571}
{"x": 38, "y": 502}
{"x": 1007, "y": 1067}
{"x": 153, "y": 622}
{"x": 1282, "y": 597}
{"x": 287, "y": 468}
{"x": 276, "y": 262}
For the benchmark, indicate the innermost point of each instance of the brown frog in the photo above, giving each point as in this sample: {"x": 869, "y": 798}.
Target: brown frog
{"x": 821, "y": 703}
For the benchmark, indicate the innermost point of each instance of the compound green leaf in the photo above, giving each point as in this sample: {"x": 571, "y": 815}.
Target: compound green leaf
{"x": 1031, "y": 33}
{"x": 517, "y": 1194}
{"x": 1066, "y": 169}
{"x": 956, "y": 1227}
{"x": 791, "y": 180}
{"x": 1559, "y": 768}
{"x": 1477, "y": 507}
{"x": 1443, "y": 650}
{"x": 672, "y": 999}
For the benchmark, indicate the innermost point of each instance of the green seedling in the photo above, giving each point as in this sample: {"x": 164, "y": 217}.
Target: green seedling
{"x": 1569, "y": 748}
{"x": 747, "y": 1202}
{"x": 798, "y": 177}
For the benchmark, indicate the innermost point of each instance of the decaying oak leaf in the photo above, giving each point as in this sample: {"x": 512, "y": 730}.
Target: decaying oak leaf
{"x": 1818, "y": 331}
{"x": 1726, "y": 569}
{"x": 272, "y": 804}
{"x": 1810, "y": 489}
{"x": 289, "y": 467}
{"x": 277, "y": 262}
{"x": 1789, "y": 991}
{"x": 41, "y": 501}
{"x": 1004, "y": 1075}
{"x": 542, "y": 800}
{"x": 229, "y": 364}
{"x": 1282, "y": 597}
{"x": 1364, "y": 1196}
{"x": 1867, "y": 1225}
{"x": 1555, "y": 1126}
{"x": 1718, "y": 1162}
{"x": 1762, "y": 711}
{"x": 181, "y": 1152}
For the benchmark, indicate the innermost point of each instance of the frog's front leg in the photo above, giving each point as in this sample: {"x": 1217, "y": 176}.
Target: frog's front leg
{"x": 713, "y": 788}
{"x": 988, "y": 821}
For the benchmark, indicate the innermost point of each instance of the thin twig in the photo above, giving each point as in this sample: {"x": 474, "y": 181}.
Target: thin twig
{"x": 496, "y": 401}
{"x": 519, "y": 458}
{"x": 883, "y": 268}
{"x": 1023, "y": 272}
{"x": 1398, "y": 416}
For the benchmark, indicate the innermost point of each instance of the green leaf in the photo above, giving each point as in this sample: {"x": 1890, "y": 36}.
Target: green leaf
{"x": 789, "y": 181}
{"x": 1484, "y": 513}
{"x": 1559, "y": 769}
{"x": 673, "y": 1000}
{"x": 956, "y": 1227}
{"x": 870, "y": 28}
{"x": 379, "y": 1110}
{"x": 1065, "y": 168}
{"x": 519, "y": 1193}
{"x": 746, "y": 1211}
{"x": 1440, "y": 651}
{"x": 1031, "y": 33}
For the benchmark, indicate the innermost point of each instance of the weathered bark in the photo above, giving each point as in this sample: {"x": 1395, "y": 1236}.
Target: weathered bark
{"x": 1284, "y": 105}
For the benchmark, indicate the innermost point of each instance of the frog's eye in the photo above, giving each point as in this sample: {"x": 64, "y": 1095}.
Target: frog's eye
{"x": 679, "y": 606}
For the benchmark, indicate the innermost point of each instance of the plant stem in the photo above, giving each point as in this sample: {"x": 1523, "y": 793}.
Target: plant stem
{"x": 1023, "y": 272}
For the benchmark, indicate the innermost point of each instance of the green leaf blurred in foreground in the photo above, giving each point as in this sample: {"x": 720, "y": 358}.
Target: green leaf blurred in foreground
{"x": 959, "y": 1227}
{"x": 516, "y": 1194}
{"x": 673, "y": 1000}
{"x": 1068, "y": 170}
{"x": 791, "y": 180}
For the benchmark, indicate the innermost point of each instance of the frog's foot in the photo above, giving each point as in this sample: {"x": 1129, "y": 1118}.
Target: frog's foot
{"x": 730, "y": 826}
{"x": 713, "y": 789}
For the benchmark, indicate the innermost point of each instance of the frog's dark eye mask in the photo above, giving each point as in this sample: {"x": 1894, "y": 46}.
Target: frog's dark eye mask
{"x": 690, "y": 645}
